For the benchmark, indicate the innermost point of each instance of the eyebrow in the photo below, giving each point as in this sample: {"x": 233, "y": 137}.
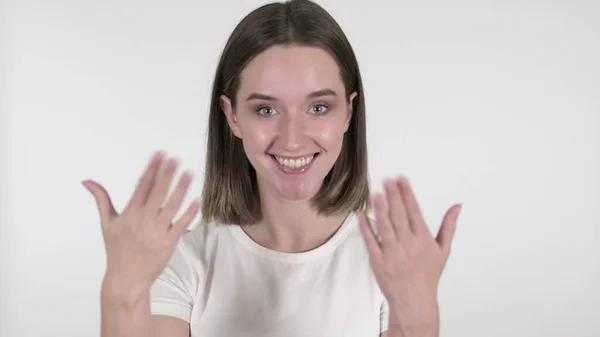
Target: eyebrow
{"x": 314, "y": 94}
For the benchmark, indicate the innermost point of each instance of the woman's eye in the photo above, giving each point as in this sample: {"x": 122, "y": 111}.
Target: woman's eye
{"x": 266, "y": 111}
{"x": 319, "y": 109}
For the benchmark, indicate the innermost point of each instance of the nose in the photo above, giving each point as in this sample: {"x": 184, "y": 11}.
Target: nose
{"x": 292, "y": 132}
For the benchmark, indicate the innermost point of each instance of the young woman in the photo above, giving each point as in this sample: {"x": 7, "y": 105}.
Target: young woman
{"x": 284, "y": 248}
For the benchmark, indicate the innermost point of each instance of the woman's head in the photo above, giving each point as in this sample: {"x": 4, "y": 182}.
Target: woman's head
{"x": 286, "y": 117}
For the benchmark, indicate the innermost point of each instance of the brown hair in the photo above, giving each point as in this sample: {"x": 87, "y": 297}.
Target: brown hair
{"x": 230, "y": 192}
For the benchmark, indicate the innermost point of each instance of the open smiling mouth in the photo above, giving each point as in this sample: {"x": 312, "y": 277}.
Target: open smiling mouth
{"x": 294, "y": 165}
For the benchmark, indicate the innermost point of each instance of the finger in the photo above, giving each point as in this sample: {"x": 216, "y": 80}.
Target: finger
{"x": 140, "y": 195}
{"x": 397, "y": 210}
{"x": 160, "y": 190}
{"x": 448, "y": 228}
{"x": 105, "y": 206}
{"x": 413, "y": 211}
{"x": 370, "y": 239}
{"x": 174, "y": 203}
{"x": 383, "y": 223}
{"x": 184, "y": 221}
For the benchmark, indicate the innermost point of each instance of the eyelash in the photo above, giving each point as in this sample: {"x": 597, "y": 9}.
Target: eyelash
{"x": 326, "y": 106}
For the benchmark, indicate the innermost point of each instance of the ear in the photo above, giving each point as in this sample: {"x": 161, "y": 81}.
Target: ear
{"x": 227, "y": 108}
{"x": 350, "y": 111}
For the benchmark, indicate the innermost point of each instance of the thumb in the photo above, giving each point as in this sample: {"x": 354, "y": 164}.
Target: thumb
{"x": 105, "y": 205}
{"x": 448, "y": 228}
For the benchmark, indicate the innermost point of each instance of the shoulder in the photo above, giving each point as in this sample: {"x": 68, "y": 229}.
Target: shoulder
{"x": 356, "y": 246}
{"x": 190, "y": 261}
{"x": 198, "y": 241}
{"x": 355, "y": 235}
{"x": 353, "y": 249}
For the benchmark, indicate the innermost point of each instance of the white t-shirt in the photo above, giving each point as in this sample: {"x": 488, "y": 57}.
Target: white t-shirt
{"x": 224, "y": 284}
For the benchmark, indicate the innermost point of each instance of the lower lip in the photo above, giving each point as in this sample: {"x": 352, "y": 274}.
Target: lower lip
{"x": 289, "y": 170}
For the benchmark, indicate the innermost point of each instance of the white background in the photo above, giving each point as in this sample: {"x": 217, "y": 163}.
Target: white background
{"x": 495, "y": 104}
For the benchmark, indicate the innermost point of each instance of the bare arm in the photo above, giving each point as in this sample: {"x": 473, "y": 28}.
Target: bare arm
{"x": 131, "y": 318}
{"x": 140, "y": 242}
{"x": 407, "y": 260}
{"x": 167, "y": 326}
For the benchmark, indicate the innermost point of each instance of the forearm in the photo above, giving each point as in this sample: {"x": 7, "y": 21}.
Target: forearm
{"x": 427, "y": 325}
{"x": 124, "y": 316}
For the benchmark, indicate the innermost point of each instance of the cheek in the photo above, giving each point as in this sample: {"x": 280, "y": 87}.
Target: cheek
{"x": 330, "y": 133}
{"x": 256, "y": 136}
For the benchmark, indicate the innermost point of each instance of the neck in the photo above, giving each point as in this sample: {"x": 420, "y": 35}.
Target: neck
{"x": 292, "y": 226}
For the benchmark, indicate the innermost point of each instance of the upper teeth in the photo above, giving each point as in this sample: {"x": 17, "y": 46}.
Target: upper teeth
{"x": 294, "y": 163}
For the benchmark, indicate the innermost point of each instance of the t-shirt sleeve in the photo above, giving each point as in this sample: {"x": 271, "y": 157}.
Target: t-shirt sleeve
{"x": 173, "y": 293}
{"x": 384, "y": 316}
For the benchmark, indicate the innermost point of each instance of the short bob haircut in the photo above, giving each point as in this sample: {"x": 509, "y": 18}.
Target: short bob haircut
{"x": 230, "y": 193}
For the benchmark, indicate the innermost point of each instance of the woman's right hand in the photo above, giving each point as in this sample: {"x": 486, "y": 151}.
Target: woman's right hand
{"x": 140, "y": 241}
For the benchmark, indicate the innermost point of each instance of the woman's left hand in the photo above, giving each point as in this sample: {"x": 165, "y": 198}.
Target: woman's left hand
{"x": 406, "y": 259}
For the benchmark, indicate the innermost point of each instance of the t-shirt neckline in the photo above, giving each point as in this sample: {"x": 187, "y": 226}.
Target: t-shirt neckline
{"x": 328, "y": 247}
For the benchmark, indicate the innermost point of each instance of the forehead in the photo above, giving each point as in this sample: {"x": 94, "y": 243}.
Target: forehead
{"x": 290, "y": 71}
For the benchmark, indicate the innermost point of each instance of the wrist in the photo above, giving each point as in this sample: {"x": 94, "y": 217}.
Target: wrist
{"x": 117, "y": 293}
{"x": 421, "y": 322}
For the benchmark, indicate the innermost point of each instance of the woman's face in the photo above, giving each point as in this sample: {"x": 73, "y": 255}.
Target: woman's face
{"x": 291, "y": 114}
